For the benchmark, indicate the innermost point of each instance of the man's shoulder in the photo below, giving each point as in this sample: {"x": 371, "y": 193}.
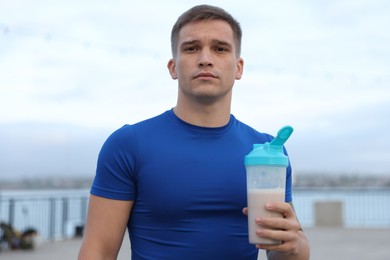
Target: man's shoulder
{"x": 251, "y": 131}
{"x": 141, "y": 127}
{"x": 146, "y": 123}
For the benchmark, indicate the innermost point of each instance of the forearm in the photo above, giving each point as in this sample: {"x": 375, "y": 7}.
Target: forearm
{"x": 302, "y": 252}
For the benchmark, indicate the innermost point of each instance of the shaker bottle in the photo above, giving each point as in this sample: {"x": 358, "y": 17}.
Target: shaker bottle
{"x": 266, "y": 181}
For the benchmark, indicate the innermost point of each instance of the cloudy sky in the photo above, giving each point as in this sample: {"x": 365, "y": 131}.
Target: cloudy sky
{"x": 71, "y": 72}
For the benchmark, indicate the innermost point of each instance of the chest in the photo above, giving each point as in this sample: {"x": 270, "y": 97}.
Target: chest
{"x": 198, "y": 176}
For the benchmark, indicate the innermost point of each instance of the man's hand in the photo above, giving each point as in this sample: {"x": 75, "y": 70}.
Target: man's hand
{"x": 286, "y": 229}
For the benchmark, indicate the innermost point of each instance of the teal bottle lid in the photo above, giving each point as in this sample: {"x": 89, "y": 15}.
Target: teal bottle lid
{"x": 270, "y": 153}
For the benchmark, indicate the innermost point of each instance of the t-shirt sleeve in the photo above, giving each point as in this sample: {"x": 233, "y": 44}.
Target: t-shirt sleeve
{"x": 115, "y": 177}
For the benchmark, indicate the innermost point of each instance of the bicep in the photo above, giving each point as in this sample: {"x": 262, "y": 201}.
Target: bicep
{"x": 106, "y": 224}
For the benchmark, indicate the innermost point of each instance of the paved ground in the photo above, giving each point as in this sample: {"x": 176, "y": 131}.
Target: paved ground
{"x": 344, "y": 244}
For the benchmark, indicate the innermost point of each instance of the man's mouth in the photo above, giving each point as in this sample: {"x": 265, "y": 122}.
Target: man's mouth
{"x": 205, "y": 75}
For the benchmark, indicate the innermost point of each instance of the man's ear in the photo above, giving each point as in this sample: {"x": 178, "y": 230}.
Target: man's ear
{"x": 172, "y": 68}
{"x": 240, "y": 68}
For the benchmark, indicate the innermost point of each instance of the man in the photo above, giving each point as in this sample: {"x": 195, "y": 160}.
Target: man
{"x": 177, "y": 181}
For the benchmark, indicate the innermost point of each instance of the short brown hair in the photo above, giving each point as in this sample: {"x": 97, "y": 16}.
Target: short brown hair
{"x": 205, "y": 12}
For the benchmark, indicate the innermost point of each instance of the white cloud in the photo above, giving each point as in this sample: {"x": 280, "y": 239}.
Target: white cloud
{"x": 314, "y": 65}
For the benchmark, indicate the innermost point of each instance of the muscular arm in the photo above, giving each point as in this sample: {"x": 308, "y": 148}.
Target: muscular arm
{"x": 105, "y": 228}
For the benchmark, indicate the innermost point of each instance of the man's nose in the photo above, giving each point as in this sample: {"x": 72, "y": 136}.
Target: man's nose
{"x": 205, "y": 59}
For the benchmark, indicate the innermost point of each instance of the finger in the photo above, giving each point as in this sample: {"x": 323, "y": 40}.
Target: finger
{"x": 288, "y": 241}
{"x": 278, "y": 247}
{"x": 272, "y": 235}
{"x": 277, "y": 235}
{"x": 273, "y": 223}
{"x": 282, "y": 207}
{"x": 279, "y": 223}
{"x": 245, "y": 211}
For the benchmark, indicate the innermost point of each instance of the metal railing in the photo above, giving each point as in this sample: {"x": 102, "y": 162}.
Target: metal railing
{"x": 58, "y": 217}
{"x": 361, "y": 207}
{"x": 53, "y": 217}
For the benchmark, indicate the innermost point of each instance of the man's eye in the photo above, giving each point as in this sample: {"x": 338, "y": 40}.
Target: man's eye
{"x": 190, "y": 49}
{"x": 221, "y": 49}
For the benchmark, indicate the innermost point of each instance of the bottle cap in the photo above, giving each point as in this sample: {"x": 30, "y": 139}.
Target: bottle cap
{"x": 270, "y": 153}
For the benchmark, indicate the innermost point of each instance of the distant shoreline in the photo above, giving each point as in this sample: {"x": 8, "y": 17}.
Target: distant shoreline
{"x": 46, "y": 183}
{"x": 301, "y": 181}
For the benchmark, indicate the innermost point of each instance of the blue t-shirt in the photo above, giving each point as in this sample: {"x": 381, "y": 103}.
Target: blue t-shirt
{"x": 188, "y": 184}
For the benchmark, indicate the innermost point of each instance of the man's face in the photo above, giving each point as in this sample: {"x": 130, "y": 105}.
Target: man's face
{"x": 206, "y": 64}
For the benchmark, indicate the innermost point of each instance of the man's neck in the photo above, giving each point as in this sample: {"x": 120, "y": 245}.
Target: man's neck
{"x": 201, "y": 115}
